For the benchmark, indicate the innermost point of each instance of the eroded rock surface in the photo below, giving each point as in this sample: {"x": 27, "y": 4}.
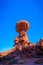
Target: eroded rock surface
{"x": 39, "y": 47}
{"x": 22, "y": 25}
{"x": 23, "y": 52}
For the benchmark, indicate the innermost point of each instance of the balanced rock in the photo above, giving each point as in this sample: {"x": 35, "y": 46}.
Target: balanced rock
{"x": 22, "y": 25}
{"x": 21, "y": 41}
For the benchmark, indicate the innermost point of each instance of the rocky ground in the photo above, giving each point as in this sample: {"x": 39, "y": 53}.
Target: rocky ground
{"x": 29, "y": 61}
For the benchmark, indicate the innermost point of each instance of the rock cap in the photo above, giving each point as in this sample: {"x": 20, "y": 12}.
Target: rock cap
{"x": 22, "y": 25}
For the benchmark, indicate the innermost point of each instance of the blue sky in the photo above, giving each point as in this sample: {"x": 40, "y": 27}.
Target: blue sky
{"x": 13, "y": 10}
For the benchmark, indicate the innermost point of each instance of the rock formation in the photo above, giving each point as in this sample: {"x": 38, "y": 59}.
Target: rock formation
{"x": 22, "y": 48}
{"x": 21, "y": 41}
{"x": 39, "y": 47}
{"x": 21, "y": 28}
{"x": 22, "y": 25}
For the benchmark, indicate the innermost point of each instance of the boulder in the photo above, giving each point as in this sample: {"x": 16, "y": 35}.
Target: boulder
{"x": 22, "y": 25}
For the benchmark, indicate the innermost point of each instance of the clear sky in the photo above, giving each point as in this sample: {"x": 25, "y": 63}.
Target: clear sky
{"x": 13, "y": 10}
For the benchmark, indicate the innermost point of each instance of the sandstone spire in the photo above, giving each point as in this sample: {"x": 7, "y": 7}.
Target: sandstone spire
{"x": 21, "y": 27}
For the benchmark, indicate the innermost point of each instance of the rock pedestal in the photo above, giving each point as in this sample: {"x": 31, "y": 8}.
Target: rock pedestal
{"x": 21, "y": 27}
{"x": 21, "y": 41}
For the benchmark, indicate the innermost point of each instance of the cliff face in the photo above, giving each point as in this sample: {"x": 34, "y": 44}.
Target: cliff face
{"x": 22, "y": 48}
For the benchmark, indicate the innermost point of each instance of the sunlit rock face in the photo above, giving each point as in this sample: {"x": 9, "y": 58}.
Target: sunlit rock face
{"x": 40, "y": 42}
